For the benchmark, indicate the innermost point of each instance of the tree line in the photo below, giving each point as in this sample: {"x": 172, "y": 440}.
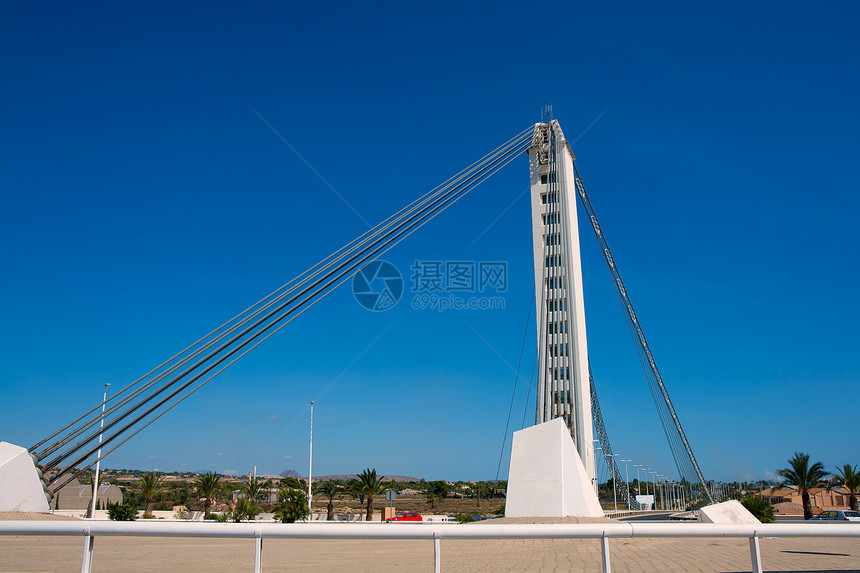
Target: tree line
{"x": 291, "y": 502}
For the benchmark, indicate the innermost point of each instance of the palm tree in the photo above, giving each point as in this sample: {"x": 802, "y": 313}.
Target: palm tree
{"x": 804, "y": 477}
{"x": 369, "y": 485}
{"x": 482, "y": 488}
{"x": 208, "y": 486}
{"x": 329, "y": 489}
{"x": 851, "y": 480}
{"x": 292, "y": 505}
{"x": 245, "y": 509}
{"x": 150, "y": 486}
{"x": 255, "y": 489}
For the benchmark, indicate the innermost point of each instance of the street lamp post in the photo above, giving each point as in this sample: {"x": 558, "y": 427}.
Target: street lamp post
{"x": 311, "y": 458}
{"x": 654, "y": 485}
{"x": 627, "y": 481}
{"x": 665, "y": 486}
{"x": 614, "y": 490}
{"x": 663, "y": 491}
{"x": 638, "y": 483}
{"x": 669, "y": 493}
{"x": 98, "y": 457}
{"x": 671, "y": 489}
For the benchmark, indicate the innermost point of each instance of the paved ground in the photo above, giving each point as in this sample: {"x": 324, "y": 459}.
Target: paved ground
{"x": 125, "y": 554}
{"x": 30, "y": 516}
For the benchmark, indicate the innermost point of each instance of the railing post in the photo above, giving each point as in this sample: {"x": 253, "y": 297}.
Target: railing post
{"x": 258, "y": 551}
{"x": 755, "y": 554}
{"x": 87, "y": 561}
{"x": 437, "y": 553}
{"x": 604, "y": 544}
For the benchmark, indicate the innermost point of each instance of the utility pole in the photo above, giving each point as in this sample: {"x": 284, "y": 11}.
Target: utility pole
{"x": 98, "y": 457}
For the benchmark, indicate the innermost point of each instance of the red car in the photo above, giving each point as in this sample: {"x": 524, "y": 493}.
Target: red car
{"x": 407, "y": 517}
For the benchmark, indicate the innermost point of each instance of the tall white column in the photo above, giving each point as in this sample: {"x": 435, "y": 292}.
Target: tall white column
{"x": 563, "y": 385}
{"x": 93, "y": 501}
{"x": 311, "y": 457}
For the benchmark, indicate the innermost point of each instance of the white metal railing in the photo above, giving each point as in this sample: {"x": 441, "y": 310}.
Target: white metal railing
{"x": 635, "y": 512}
{"x": 257, "y": 531}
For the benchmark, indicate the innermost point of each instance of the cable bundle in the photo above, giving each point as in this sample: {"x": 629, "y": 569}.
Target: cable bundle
{"x": 685, "y": 462}
{"x": 149, "y": 397}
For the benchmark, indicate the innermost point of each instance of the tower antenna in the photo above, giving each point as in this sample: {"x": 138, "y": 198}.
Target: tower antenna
{"x": 546, "y": 113}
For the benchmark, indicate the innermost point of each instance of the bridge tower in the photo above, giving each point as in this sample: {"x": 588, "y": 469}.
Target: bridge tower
{"x": 563, "y": 383}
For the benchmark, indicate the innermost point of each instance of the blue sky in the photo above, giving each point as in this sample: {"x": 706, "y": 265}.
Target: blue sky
{"x": 145, "y": 201}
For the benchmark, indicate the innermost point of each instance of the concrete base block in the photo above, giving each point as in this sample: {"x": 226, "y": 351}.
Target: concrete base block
{"x": 20, "y": 486}
{"x": 547, "y": 478}
{"x": 726, "y": 512}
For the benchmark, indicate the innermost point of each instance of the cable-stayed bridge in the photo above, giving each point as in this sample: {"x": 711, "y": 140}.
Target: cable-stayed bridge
{"x": 566, "y": 388}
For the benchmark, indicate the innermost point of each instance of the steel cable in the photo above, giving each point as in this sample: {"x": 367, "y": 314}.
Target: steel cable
{"x": 296, "y": 283}
{"x": 437, "y": 204}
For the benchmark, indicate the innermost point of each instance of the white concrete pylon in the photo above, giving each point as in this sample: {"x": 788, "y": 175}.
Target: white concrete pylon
{"x": 563, "y": 381}
{"x": 546, "y": 476}
{"x": 20, "y": 486}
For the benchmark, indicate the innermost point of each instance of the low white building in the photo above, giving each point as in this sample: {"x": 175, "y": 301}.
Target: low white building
{"x": 75, "y": 495}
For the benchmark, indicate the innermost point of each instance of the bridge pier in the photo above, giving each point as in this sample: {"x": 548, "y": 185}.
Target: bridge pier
{"x": 21, "y": 487}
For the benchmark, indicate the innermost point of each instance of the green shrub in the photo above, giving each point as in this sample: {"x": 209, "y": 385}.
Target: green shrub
{"x": 760, "y": 508}
{"x": 500, "y": 511}
{"x": 292, "y": 505}
{"x": 213, "y": 516}
{"x": 245, "y": 510}
{"x": 465, "y": 518}
{"x": 124, "y": 512}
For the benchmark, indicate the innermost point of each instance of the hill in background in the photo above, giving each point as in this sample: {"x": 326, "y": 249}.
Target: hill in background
{"x": 346, "y": 477}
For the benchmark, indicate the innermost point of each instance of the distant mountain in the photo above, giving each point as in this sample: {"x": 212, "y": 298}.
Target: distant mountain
{"x": 346, "y": 477}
